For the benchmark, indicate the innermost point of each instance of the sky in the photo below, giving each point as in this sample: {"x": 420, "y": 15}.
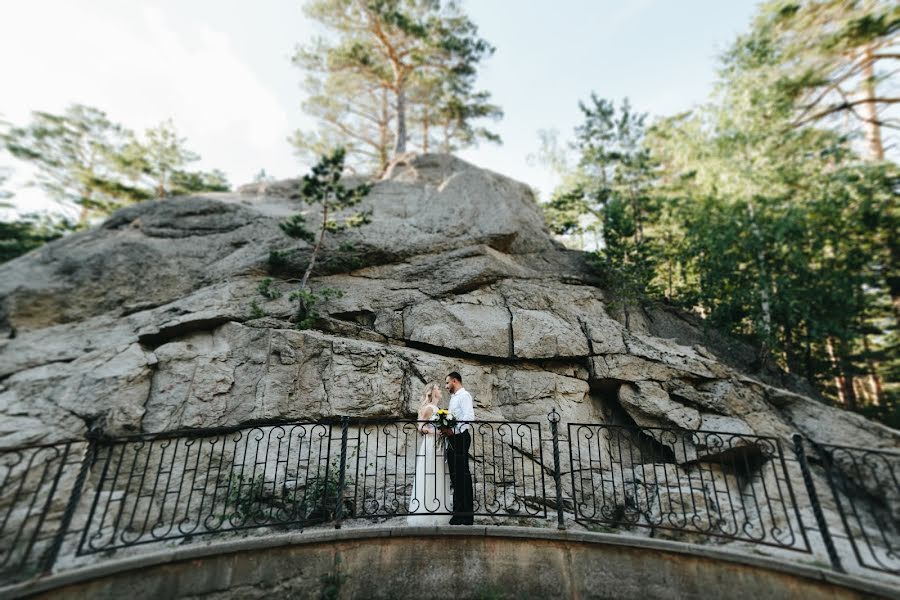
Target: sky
{"x": 221, "y": 70}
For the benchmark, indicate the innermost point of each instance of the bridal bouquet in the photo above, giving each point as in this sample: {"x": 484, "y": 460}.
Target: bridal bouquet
{"x": 444, "y": 420}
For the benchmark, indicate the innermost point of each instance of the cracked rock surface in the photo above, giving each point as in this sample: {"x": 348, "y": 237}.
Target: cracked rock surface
{"x": 144, "y": 323}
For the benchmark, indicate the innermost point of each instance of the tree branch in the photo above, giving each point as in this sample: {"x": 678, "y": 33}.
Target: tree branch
{"x": 846, "y": 105}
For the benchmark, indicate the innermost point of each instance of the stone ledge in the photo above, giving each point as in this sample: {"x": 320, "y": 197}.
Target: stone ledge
{"x": 197, "y": 551}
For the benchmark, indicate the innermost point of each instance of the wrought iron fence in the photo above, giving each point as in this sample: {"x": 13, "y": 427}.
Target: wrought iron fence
{"x": 35, "y": 483}
{"x": 726, "y": 485}
{"x": 107, "y": 494}
{"x": 162, "y": 487}
{"x": 508, "y": 475}
{"x": 865, "y": 485}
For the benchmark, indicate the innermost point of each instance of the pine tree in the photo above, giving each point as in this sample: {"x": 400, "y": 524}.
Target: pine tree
{"x": 387, "y": 63}
{"x": 157, "y": 162}
{"x": 76, "y": 158}
{"x": 834, "y": 58}
{"x": 323, "y": 188}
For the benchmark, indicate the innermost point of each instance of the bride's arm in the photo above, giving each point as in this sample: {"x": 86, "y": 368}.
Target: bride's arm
{"x": 425, "y": 414}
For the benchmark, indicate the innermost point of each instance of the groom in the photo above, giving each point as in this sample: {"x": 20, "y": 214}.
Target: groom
{"x": 459, "y": 440}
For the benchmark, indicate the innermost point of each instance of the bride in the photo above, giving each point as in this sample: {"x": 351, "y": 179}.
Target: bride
{"x": 430, "y": 501}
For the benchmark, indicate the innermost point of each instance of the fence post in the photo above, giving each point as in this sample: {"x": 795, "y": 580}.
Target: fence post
{"x": 52, "y": 552}
{"x": 814, "y": 501}
{"x": 557, "y": 472}
{"x": 342, "y": 475}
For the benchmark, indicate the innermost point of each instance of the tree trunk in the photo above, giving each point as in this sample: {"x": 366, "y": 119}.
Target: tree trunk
{"x": 808, "y": 358}
{"x": 85, "y": 211}
{"x": 764, "y": 292}
{"x": 876, "y": 152}
{"x": 400, "y": 145}
{"x": 83, "y": 215}
{"x": 312, "y": 259}
{"x": 835, "y": 368}
{"x": 869, "y": 108}
{"x": 790, "y": 358}
{"x": 849, "y": 391}
{"x": 846, "y": 377}
{"x": 874, "y": 379}
{"x": 384, "y": 132}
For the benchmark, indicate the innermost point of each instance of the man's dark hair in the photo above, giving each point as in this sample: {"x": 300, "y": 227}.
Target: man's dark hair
{"x": 456, "y": 376}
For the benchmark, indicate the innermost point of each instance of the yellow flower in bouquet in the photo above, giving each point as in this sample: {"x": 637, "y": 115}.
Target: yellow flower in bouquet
{"x": 444, "y": 419}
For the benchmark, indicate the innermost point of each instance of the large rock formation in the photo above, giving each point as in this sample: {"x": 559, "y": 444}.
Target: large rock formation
{"x": 147, "y": 323}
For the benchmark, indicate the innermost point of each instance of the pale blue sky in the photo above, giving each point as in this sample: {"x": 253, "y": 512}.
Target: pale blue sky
{"x": 221, "y": 69}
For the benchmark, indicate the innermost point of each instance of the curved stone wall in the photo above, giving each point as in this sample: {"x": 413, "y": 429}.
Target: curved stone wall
{"x": 449, "y": 562}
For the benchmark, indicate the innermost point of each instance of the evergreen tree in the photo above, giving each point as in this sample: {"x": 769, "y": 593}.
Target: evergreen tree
{"x": 322, "y": 188}
{"x": 27, "y": 233}
{"x": 4, "y": 193}
{"x": 76, "y": 158}
{"x": 185, "y": 183}
{"x": 831, "y": 63}
{"x": 84, "y": 158}
{"x": 769, "y": 224}
{"x": 353, "y": 112}
{"x": 391, "y": 61}
{"x": 157, "y": 162}
{"x": 833, "y": 58}
{"x": 263, "y": 177}
{"x": 613, "y": 184}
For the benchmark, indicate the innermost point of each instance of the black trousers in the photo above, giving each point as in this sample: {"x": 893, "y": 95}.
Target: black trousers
{"x": 460, "y": 476}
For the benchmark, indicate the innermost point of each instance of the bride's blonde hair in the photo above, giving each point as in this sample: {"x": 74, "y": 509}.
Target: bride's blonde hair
{"x": 426, "y": 394}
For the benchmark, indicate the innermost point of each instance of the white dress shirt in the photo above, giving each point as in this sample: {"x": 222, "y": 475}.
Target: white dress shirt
{"x": 463, "y": 408}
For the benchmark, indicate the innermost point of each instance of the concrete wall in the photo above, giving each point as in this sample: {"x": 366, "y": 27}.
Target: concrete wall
{"x": 454, "y": 562}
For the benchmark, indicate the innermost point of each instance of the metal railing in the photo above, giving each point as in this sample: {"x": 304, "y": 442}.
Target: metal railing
{"x": 709, "y": 483}
{"x": 865, "y": 485}
{"x": 507, "y": 470}
{"x": 35, "y": 483}
{"x": 106, "y": 495}
{"x": 162, "y": 487}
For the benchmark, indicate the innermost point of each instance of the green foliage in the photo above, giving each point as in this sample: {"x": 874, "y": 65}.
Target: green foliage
{"x": 266, "y": 290}
{"x": 253, "y": 499}
{"x": 277, "y": 260}
{"x": 565, "y": 210}
{"x": 391, "y": 73}
{"x": 84, "y": 158}
{"x": 323, "y": 188}
{"x": 246, "y": 498}
{"x": 613, "y": 187}
{"x": 75, "y": 155}
{"x": 27, "y": 233}
{"x": 256, "y": 312}
{"x": 346, "y": 257}
{"x": 307, "y": 305}
{"x": 4, "y": 176}
{"x": 751, "y": 211}
{"x": 320, "y": 495}
{"x": 185, "y": 183}
{"x": 332, "y": 582}
{"x": 829, "y": 61}
{"x": 295, "y": 227}
{"x": 157, "y": 163}
{"x": 263, "y": 177}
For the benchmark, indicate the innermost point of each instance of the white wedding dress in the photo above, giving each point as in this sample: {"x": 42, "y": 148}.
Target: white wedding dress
{"x": 431, "y": 487}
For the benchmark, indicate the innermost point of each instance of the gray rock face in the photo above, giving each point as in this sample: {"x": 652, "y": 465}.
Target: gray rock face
{"x": 152, "y": 322}
{"x": 145, "y": 323}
